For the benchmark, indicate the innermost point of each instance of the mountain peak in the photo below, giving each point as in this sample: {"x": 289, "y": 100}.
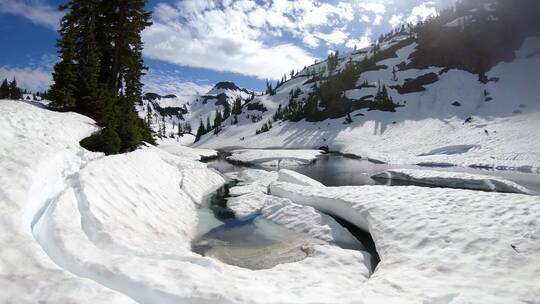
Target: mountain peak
{"x": 223, "y": 86}
{"x": 226, "y": 85}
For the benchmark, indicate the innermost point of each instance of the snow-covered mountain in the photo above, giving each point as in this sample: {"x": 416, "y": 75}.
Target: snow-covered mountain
{"x": 169, "y": 111}
{"x": 419, "y": 89}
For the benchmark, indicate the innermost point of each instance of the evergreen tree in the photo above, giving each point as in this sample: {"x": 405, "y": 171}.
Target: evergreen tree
{"x": 100, "y": 68}
{"x": 62, "y": 91}
{"x": 237, "y": 106}
{"x": 4, "y": 90}
{"x": 218, "y": 118}
{"x": 226, "y": 110}
{"x": 187, "y": 127}
{"x": 200, "y": 131}
{"x": 180, "y": 129}
{"x": 89, "y": 102}
{"x": 208, "y": 124}
{"x": 148, "y": 115}
{"x": 14, "y": 91}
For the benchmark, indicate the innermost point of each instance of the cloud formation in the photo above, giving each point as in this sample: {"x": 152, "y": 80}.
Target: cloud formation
{"x": 36, "y": 11}
{"x": 422, "y": 12}
{"x": 170, "y": 83}
{"x": 32, "y": 79}
{"x": 246, "y": 37}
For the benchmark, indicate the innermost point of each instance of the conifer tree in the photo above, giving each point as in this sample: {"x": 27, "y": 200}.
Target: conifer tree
{"x": 237, "y": 106}
{"x": 226, "y": 110}
{"x": 62, "y": 91}
{"x": 200, "y": 131}
{"x": 100, "y": 68}
{"x": 217, "y": 119}
{"x": 187, "y": 127}
{"x": 180, "y": 129}
{"x": 208, "y": 124}
{"x": 4, "y": 90}
{"x": 14, "y": 91}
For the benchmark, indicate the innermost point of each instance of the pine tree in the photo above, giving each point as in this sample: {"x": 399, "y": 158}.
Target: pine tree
{"x": 180, "y": 129}
{"x": 14, "y": 91}
{"x": 208, "y": 124}
{"x": 89, "y": 102}
{"x": 100, "y": 68}
{"x": 200, "y": 131}
{"x": 237, "y": 106}
{"x": 148, "y": 115}
{"x": 226, "y": 110}
{"x": 62, "y": 91}
{"x": 187, "y": 127}
{"x": 218, "y": 118}
{"x": 4, "y": 90}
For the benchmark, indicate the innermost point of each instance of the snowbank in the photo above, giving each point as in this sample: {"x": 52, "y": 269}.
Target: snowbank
{"x": 253, "y": 181}
{"x": 297, "y": 218}
{"x": 39, "y": 152}
{"x": 439, "y": 244}
{"x": 179, "y": 148}
{"x": 275, "y": 158}
{"x": 453, "y": 180}
{"x": 293, "y": 177}
{"x": 82, "y": 228}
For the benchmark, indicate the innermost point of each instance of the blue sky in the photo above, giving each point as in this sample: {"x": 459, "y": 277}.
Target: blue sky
{"x": 196, "y": 43}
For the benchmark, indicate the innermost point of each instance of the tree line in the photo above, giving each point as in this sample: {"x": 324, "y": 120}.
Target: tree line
{"x": 100, "y": 69}
{"x": 10, "y": 90}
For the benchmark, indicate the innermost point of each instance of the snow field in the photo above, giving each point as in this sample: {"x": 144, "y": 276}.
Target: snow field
{"x": 275, "y": 157}
{"x": 453, "y": 180}
{"x": 427, "y": 122}
{"x": 439, "y": 245}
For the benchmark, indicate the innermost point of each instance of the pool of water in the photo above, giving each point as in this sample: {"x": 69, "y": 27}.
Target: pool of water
{"x": 253, "y": 243}
{"x": 257, "y": 243}
{"x": 336, "y": 170}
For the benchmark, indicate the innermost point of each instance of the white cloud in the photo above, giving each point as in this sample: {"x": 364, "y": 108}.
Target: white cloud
{"x": 376, "y": 8}
{"x": 311, "y": 41}
{"x": 234, "y": 38}
{"x": 31, "y": 79}
{"x": 377, "y": 20}
{"x": 396, "y": 20}
{"x": 363, "y": 42}
{"x": 336, "y": 37}
{"x": 34, "y": 10}
{"x": 422, "y": 12}
{"x": 171, "y": 83}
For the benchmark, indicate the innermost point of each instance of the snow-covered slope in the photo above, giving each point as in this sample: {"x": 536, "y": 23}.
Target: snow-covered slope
{"x": 453, "y": 180}
{"x": 82, "y": 228}
{"x": 40, "y": 152}
{"x": 170, "y": 110}
{"x": 439, "y": 245}
{"x": 497, "y": 119}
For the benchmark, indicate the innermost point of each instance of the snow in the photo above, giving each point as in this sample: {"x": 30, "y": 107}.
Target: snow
{"x": 439, "y": 245}
{"x": 79, "y": 227}
{"x": 427, "y": 121}
{"x": 179, "y": 148}
{"x": 39, "y": 152}
{"x": 308, "y": 220}
{"x": 253, "y": 181}
{"x": 293, "y": 177}
{"x": 275, "y": 157}
{"x": 453, "y": 180}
